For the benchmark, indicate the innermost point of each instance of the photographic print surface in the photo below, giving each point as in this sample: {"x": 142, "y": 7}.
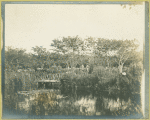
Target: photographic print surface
{"x": 73, "y": 60}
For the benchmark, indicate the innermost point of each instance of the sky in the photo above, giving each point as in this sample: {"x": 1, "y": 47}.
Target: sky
{"x": 30, "y": 25}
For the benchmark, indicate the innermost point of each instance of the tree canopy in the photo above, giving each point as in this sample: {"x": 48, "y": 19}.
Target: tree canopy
{"x": 68, "y": 51}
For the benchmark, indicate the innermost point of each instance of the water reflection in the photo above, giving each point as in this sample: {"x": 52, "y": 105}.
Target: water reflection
{"x": 54, "y": 103}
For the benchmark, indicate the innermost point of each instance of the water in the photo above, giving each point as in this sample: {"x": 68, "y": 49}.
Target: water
{"x": 53, "y": 102}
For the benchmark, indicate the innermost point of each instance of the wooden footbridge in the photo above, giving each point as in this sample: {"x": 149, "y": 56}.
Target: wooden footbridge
{"x": 43, "y": 86}
{"x": 48, "y": 84}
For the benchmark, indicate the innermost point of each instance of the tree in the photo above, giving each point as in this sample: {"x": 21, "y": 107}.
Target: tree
{"x": 135, "y": 58}
{"x": 73, "y": 44}
{"x": 39, "y": 57}
{"x": 90, "y": 45}
{"x": 68, "y": 45}
{"x": 125, "y": 49}
{"x": 40, "y": 51}
{"x": 121, "y": 50}
{"x": 16, "y": 58}
{"x": 60, "y": 48}
{"x": 105, "y": 48}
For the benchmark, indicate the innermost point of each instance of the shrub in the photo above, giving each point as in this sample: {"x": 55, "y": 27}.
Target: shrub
{"x": 91, "y": 69}
{"x": 134, "y": 74}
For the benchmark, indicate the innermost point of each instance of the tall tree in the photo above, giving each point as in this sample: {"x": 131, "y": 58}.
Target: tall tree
{"x": 90, "y": 45}
{"x": 39, "y": 56}
{"x": 122, "y": 49}
{"x": 125, "y": 49}
{"x": 60, "y": 48}
{"x": 105, "y": 49}
{"x": 69, "y": 45}
{"x": 16, "y": 57}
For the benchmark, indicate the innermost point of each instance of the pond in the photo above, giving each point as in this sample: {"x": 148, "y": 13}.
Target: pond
{"x": 83, "y": 103}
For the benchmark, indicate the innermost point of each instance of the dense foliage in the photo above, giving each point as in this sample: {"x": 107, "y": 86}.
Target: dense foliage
{"x": 88, "y": 67}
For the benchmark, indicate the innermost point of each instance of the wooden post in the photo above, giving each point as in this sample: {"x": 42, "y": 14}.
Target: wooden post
{"x": 51, "y": 85}
{"x": 23, "y": 77}
{"x": 44, "y": 85}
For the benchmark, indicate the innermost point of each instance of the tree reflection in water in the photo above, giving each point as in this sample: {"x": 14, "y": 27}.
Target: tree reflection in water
{"x": 102, "y": 104}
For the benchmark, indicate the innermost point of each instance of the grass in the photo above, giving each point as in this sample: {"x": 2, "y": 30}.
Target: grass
{"x": 100, "y": 77}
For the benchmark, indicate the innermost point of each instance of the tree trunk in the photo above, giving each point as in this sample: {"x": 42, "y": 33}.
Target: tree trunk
{"x": 107, "y": 63}
{"x": 72, "y": 62}
{"x": 120, "y": 67}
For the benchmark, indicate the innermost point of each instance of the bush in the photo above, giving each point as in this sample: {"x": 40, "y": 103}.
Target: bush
{"x": 91, "y": 69}
{"x": 105, "y": 75}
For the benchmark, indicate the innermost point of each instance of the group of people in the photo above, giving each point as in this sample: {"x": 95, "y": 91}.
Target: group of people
{"x": 87, "y": 68}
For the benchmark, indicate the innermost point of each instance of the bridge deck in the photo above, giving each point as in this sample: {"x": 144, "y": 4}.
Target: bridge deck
{"x": 50, "y": 81}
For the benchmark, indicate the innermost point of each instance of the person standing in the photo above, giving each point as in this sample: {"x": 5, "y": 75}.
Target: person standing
{"x": 82, "y": 67}
{"x": 87, "y": 68}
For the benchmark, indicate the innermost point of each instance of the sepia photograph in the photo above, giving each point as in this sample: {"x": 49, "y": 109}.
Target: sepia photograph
{"x": 75, "y": 60}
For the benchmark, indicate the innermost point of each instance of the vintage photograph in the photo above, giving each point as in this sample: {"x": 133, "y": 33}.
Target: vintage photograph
{"x": 73, "y": 60}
